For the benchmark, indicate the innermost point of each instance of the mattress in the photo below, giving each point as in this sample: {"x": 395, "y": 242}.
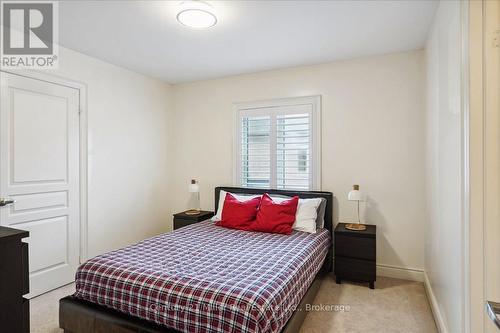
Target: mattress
{"x": 205, "y": 278}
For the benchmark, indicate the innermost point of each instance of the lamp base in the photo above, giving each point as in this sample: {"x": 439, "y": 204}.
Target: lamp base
{"x": 355, "y": 226}
{"x": 192, "y": 212}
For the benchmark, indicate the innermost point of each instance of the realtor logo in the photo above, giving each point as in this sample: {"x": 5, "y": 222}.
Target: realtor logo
{"x": 29, "y": 34}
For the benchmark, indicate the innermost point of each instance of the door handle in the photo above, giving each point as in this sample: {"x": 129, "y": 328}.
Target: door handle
{"x": 5, "y": 202}
{"x": 493, "y": 310}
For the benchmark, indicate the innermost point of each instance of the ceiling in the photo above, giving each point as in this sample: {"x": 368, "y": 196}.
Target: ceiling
{"x": 250, "y": 36}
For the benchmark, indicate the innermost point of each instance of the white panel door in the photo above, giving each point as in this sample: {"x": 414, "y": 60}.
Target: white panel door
{"x": 39, "y": 169}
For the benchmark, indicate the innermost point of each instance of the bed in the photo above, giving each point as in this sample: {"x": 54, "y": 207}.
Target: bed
{"x": 203, "y": 278}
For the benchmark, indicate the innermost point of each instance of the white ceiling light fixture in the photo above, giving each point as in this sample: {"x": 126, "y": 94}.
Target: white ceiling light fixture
{"x": 196, "y": 15}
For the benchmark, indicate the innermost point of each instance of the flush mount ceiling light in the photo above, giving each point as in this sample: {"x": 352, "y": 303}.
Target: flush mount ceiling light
{"x": 196, "y": 15}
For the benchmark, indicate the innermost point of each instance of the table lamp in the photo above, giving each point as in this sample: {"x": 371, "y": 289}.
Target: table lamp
{"x": 355, "y": 195}
{"x": 194, "y": 188}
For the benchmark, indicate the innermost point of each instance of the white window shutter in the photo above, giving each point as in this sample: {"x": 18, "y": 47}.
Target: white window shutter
{"x": 255, "y": 160}
{"x": 278, "y": 144}
{"x": 293, "y": 151}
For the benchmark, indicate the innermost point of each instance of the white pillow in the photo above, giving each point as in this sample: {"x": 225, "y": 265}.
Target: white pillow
{"x": 320, "y": 220}
{"x": 305, "y": 218}
{"x": 222, "y": 197}
{"x": 307, "y": 212}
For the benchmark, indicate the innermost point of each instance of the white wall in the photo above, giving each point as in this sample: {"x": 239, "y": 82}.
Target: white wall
{"x": 128, "y": 164}
{"x": 443, "y": 241}
{"x": 372, "y": 135}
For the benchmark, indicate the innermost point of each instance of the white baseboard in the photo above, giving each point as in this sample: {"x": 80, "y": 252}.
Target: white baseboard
{"x": 403, "y": 273}
{"x": 438, "y": 318}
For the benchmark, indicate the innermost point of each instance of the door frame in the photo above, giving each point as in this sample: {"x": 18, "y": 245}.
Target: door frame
{"x": 491, "y": 79}
{"x": 482, "y": 169}
{"x": 83, "y": 159}
{"x": 465, "y": 173}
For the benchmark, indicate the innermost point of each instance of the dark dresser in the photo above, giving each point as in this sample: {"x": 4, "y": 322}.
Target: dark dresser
{"x": 356, "y": 254}
{"x": 14, "y": 281}
{"x": 183, "y": 219}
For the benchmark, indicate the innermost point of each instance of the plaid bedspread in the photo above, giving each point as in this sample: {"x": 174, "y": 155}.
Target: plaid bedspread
{"x": 205, "y": 278}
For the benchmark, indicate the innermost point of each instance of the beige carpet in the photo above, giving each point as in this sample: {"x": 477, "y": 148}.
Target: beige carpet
{"x": 394, "y": 306}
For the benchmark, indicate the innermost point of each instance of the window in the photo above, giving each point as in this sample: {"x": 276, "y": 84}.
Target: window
{"x": 277, "y": 144}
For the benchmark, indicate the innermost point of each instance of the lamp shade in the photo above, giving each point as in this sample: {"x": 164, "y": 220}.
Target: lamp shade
{"x": 194, "y": 187}
{"x": 354, "y": 194}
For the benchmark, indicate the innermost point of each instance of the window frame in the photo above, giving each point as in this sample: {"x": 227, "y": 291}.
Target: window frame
{"x": 259, "y": 108}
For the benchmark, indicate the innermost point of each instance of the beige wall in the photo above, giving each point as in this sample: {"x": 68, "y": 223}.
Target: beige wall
{"x": 147, "y": 139}
{"x": 372, "y": 135}
{"x": 444, "y": 244}
{"x": 128, "y": 164}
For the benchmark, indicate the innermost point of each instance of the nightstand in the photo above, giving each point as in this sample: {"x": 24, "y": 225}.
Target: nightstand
{"x": 183, "y": 219}
{"x": 355, "y": 254}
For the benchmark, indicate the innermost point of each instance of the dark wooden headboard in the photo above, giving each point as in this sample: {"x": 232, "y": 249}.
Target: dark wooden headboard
{"x": 301, "y": 194}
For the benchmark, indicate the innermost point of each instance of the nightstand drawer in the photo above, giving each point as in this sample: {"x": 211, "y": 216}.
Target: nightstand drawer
{"x": 184, "y": 219}
{"x": 355, "y": 269}
{"x": 179, "y": 223}
{"x": 355, "y": 247}
{"x": 25, "y": 275}
{"x": 26, "y": 315}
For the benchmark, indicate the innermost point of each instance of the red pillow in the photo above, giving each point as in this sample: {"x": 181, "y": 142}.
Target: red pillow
{"x": 238, "y": 214}
{"x": 275, "y": 217}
